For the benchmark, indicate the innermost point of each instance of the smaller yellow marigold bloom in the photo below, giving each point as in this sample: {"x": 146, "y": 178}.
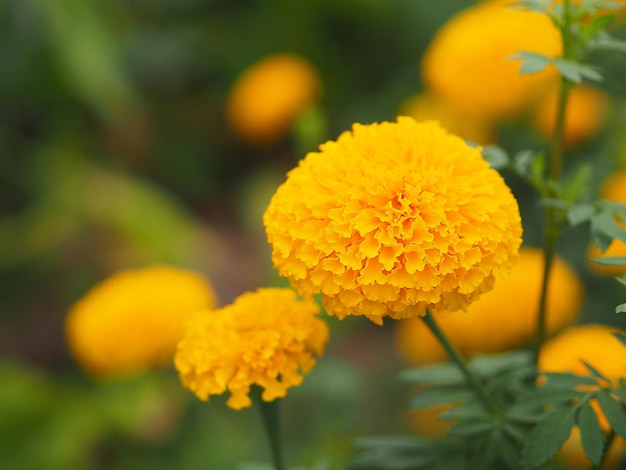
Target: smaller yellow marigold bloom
{"x": 470, "y": 126}
{"x": 585, "y": 114}
{"x": 393, "y": 218}
{"x": 266, "y": 99}
{"x": 596, "y": 345}
{"x": 131, "y": 321}
{"x": 503, "y": 319}
{"x": 267, "y": 338}
{"x": 614, "y": 189}
{"x": 469, "y": 60}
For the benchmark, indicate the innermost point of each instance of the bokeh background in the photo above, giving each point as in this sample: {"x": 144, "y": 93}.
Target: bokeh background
{"x": 115, "y": 152}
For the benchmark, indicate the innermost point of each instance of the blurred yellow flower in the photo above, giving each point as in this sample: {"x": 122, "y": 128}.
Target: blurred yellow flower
{"x": 503, "y": 319}
{"x": 469, "y": 60}
{"x": 614, "y": 189}
{"x": 131, "y": 321}
{"x": 267, "y": 338}
{"x": 393, "y": 218}
{"x": 585, "y": 114}
{"x": 266, "y": 99}
{"x": 470, "y": 126}
{"x": 596, "y": 345}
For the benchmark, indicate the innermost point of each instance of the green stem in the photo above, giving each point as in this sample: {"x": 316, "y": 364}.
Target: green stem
{"x": 557, "y": 145}
{"x": 472, "y": 380}
{"x": 607, "y": 446}
{"x": 270, "y": 415}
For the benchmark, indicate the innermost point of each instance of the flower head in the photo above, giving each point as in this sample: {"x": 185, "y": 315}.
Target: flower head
{"x": 503, "y": 319}
{"x": 391, "y": 219}
{"x": 597, "y": 346}
{"x": 469, "y": 60}
{"x": 267, "y": 338}
{"x": 264, "y": 101}
{"x": 614, "y": 189}
{"x": 131, "y": 321}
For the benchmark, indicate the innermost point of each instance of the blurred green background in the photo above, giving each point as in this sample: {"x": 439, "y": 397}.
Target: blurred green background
{"x": 114, "y": 153}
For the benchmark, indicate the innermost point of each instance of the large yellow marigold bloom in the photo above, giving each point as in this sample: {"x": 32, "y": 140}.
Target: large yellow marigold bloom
{"x": 267, "y": 338}
{"x": 614, "y": 189}
{"x": 265, "y": 100}
{"x": 471, "y": 126}
{"x": 131, "y": 321}
{"x": 503, "y": 319}
{"x": 468, "y": 61}
{"x": 391, "y": 219}
{"x": 596, "y": 345}
{"x": 585, "y": 114}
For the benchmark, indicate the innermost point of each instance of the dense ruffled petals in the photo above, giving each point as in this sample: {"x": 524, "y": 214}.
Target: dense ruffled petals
{"x": 267, "y": 338}
{"x": 391, "y": 219}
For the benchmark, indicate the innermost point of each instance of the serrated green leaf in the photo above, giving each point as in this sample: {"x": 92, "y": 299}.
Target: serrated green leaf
{"x": 605, "y": 42}
{"x": 552, "y": 397}
{"x": 470, "y": 411}
{"x": 510, "y": 452}
{"x": 591, "y": 435}
{"x": 565, "y": 381}
{"x": 439, "y": 396}
{"x": 495, "y": 156}
{"x": 621, "y": 338}
{"x": 611, "y": 260}
{"x": 575, "y": 72}
{"x": 580, "y": 213}
{"x": 517, "y": 432}
{"x": 605, "y": 222}
{"x": 470, "y": 428}
{"x": 595, "y": 372}
{"x": 548, "y": 437}
{"x": 620, "y": 393}
{"x": 614, "y": 412}
{"x": 621, "y": 308}
{"x": 532, "y": 62}
{"x": 491, "y": 364}
{"x": 444, "y": 374}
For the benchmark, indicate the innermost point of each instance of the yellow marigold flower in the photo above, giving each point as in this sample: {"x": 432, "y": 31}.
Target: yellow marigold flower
{"x": 469, "y": 60}
{"x": 614, "y": 189}
{"x": 585, "y": 114}
{"x": 484, "y": 328}
{"x": 265, "y": 100}
{"x": 393, "y": 218}
{"x": 267, "y": 338}
{"x": 469, "y": 125}
{"x": 596, "y": 345}
{"x": 131, "y": 321}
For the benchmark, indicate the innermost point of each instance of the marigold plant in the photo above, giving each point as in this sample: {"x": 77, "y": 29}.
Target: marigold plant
{"x": 469, "y": 61}
{"x": 393, "y": 218}
{"x": 500, "y": 320}
{"x": 268, "y": 338}
{"x": 267, "y": 97}
{"x": 596, "y": 345}
{"x": 131, "y": 321}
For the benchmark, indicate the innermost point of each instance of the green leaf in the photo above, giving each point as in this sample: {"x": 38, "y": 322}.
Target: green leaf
{"x": 548, "y": 437}
{"x": 439, "y": 396}
{"x": 605, "y": 42}
{"x": 614, "y": 412}
{"x": 576, "y": 72}
{"x": 533, "y": 62}
{"x": 444, "y": 374}
{"x": 552, "y": 397}
{"x": 579, "y": 213}
{"x": 591, "y": 434}
{"x": 611, "y": 260}
{"x": 509, "y": 452}
{"x": 621, "y": 280}
{"x": 491, "y": 364}
{"x": 565, "y": 381}
{"x": 605, "y": 222}
{"x": 621, "y": 308}
{"x": 620, "y": 393}
{"x": 471, "y": 428}
{"x": 595, "y": 372}
{"x": 496, "y": 156}
{"x": 620, "y": 337}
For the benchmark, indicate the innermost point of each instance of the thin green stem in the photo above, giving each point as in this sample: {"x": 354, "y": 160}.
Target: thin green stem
{"x": 558, "y": 138}
{"x": 270, "y": 415}
{"x": 471, "y": 378}
{"x": 607, "y": 446}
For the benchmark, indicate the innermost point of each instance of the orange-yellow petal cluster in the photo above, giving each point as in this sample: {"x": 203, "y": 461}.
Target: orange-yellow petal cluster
{"x": 266, "y": 99}
{"x": 585, "y": 114}
{"x": 469, "y": 60}
{"x": 267, "y": 338}
{"x": 131, "y": 321}
{"x": 596, "y": 345}
{"x": 614, "y": 189}
{"x": 503, "y": 319}
{"x": 393, "y": 218}
{"x": 470, "y": 126}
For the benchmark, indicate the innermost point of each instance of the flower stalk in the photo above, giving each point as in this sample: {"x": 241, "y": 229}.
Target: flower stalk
{"x": 470, "y": 377}
{"x": 270, "y": 415}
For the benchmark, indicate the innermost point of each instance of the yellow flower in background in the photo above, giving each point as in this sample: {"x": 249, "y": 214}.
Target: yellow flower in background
{"x": 266, "y": 99}
{"x": 393, "y": 218}
{"x": 267, "y": 338}
{"x": 503, "y": 319}
{"x": 469, "y": 60}
{"x": 469, "y": 125}
{"x": 585, "y": 114}
{"x": 131, "y": 321}
{"x": 614, "y": 189}
{"x": 596, "y": 345}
